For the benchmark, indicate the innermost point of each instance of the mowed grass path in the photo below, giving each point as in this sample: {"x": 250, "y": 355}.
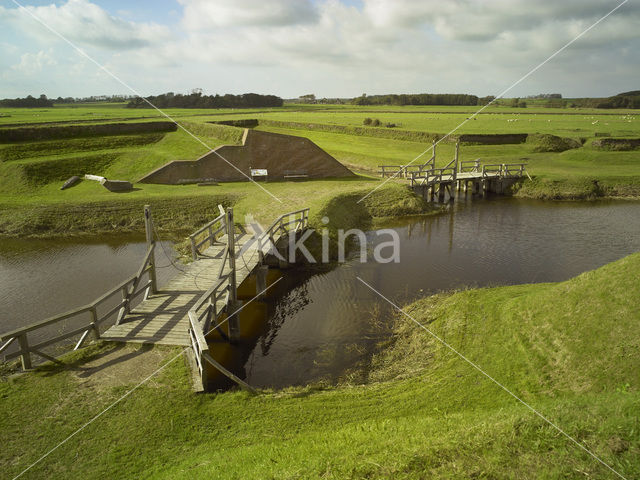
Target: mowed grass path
{"x": 571, "y": 350}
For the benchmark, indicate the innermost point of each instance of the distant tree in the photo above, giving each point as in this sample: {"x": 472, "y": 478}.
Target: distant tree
{"x": 486, "y": 100}
{"x": 367, "y": 121}
{"x": 416, "y": 99}
{"x": 196, "y": 100}
{"x": 27, "y": 102}
{"x": 555, "y": 103}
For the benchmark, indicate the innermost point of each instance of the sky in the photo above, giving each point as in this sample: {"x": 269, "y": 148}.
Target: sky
{"x": 331, "y": 48}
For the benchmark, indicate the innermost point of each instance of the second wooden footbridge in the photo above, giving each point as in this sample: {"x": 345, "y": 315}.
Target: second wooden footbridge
{"x": 467, "y": 176}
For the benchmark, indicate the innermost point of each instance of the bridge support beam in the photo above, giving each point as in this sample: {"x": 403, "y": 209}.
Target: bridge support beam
{"x": 261, "y": 280}
{"x": 233, "y": 304}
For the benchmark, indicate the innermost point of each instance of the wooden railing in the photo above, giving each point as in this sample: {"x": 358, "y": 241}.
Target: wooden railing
{"x": 203, "y": 356}
{"x": 469, "y": 166}
{"x": 504, "y": 170}
{"x": 433, "y": 176}
{"x": 129, "y": 290}
{"x": 219, "y": 292}
{"x": 405, "y": 171}
{"x": 492, "y": 170}
{"x": 282, "y": 225}
{"x": 208, "y": 233}
{"x": 203, "y": 316}
{"x": 514, "y": 170}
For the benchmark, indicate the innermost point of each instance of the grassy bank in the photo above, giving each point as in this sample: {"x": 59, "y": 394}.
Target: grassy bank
{"x": 570, "y": 349}
{"x": 570, "y": 166}
{"x": 89, "y": 209}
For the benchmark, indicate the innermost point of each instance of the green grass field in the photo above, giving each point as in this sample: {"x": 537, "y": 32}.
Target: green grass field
{"x": 422, "y": 412}
{"x": 32, "y": 172}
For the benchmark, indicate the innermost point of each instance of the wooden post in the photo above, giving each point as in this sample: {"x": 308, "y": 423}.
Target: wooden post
{"x": 456, "y": 156}
{"x": 125, "y": 305}
{"x": 148, "y": 226}
{"x": 231, "y": 248}
{"x": 94, "y": 322}
{"x": 261, "y": 280}
{"x": 232, "y": 305}
{"x": 25, "y": 355}
{"x": 194, "y": 251}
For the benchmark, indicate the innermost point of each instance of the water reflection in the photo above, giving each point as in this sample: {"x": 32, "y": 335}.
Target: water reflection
{"x": 315, "y": 323}
{"x": 481, "y": 243}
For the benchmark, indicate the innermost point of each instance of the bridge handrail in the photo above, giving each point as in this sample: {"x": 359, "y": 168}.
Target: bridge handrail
{"x": 279, "y": 224}
{"x": 505, "y": 169}
{"x": 203, "y": 356}
{"x": 434, "y": 175}
{"x": 130, "y": 289}
{"x": 469, "y": 166}
{"x": 519, "y": 168}
{"x": 201, "y": 319}
{"x": 403, "y": 170}
{"x": 211, "y": 233}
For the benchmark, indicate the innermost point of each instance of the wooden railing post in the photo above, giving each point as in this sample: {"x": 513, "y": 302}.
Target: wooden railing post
{"x": 148, "y": 226}
{"x": 456, "y": 155}
{"x": 194, "y": 250}
{"x": 234, "y": 324}
{"x": 25, "y": 355}
{"x": 94, "y": 322}
{"x": 125, "y": 305}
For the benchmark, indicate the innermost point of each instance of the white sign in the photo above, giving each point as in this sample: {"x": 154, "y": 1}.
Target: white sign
{"x": 259, "y": 172}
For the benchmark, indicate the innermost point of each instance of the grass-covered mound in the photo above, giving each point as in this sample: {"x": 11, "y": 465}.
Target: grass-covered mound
{"x": 551, "y": 143}
{"x": 571, "y": 350}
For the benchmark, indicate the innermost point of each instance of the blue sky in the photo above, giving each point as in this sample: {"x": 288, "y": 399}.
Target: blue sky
{"x": 333, "y": 48}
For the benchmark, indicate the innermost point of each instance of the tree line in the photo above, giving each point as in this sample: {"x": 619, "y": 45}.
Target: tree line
{"x": 417, "y": 99}
{"x": 197, "y": 100}
{"x": 27, "y": 102}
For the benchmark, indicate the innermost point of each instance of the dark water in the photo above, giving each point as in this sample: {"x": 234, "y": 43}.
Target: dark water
{"x": 315, "y": 325}
{"x": 43, "y": 278}
{"x": 322, "y": 324}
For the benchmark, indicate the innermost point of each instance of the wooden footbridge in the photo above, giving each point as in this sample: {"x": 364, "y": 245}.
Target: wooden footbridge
{"x": 468, "y": 176}
{"x": 201, "y": 299}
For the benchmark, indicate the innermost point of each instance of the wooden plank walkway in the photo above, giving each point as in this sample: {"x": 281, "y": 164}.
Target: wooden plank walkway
{"x": 163, "y": 319}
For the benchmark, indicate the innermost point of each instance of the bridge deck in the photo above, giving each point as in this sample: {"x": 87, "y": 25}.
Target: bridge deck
{"x": 163, "y": 318}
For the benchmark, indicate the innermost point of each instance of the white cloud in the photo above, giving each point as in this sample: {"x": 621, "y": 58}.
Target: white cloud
{"x": 295, "y": 46}
{"x": 86, "y": 23}
{"x": 207, "y": 14}
{"x": 32, "y": 63}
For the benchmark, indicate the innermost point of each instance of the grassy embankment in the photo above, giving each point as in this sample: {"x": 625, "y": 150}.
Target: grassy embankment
{"x": 31, "y": 173}
{"x": 569, "y": 349}
{"x": 577, "y": 173}
{"x": 31, "y": 202}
